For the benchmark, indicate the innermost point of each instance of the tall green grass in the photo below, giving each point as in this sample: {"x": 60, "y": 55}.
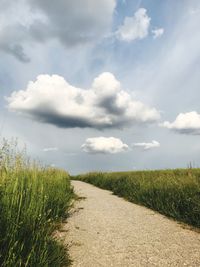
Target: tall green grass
{"x": 175, "y": 193}
{"x": 33, "y": 200}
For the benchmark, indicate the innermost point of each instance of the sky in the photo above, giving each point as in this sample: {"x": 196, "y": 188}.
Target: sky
{"x": 108, "y": 85}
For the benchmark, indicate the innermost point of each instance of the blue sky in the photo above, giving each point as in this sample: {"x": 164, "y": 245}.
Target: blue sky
{"x": 121, "y": 90}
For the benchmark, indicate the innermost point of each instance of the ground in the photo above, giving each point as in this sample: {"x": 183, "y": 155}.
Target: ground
{"x": 105, "y": 230}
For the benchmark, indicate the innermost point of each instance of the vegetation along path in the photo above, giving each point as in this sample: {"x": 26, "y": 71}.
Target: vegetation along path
{"x": 105, "y": 230}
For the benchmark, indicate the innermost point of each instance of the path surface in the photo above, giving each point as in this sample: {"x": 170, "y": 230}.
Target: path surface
{"x": 105, "y": 230}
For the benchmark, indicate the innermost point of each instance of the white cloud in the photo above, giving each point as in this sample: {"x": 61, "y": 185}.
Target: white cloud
{"x": 51, "y": 99}
{"x": 136, "y": 27}
{"x": 186, "y": 123}
{"x": 157, "y": 33}
{"x": 48, "y": 149}
{"x": 105, "y": 145}
{"x": 147, "y": 146}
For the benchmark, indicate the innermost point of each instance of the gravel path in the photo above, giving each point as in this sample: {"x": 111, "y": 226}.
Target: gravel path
{"x": 105, "y": 230}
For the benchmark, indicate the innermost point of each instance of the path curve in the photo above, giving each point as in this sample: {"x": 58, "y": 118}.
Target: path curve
{"x": 106, "y": 230}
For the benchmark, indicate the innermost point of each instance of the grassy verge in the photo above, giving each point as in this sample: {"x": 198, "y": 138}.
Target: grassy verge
{"x": 175, "y": 193}
{"x": 33, "y": 201}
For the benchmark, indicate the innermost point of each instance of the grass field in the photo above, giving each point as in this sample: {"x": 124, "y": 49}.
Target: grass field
{"x": 33, "y": 201}
{"x": 175, "y": 193}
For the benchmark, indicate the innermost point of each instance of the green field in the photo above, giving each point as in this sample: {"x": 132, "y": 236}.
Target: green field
{"x": 33, "y": 201}
{"x": 174, "y": 193}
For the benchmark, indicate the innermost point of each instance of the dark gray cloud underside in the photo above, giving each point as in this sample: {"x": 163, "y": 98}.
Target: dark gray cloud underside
{"x": 72, "y": 121}
{"x": 187, "y": 131}
{"x": 72, "y": 23}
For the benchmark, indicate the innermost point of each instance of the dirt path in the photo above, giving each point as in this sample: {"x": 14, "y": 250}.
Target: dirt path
{"x": 106, "y": 230}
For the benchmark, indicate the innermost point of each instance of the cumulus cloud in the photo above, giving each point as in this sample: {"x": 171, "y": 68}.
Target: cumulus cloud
{"x": 51, "y": 99}
{"x": 70, "y": 22}
{"x": 157, "y": 33}
{"x": 147, "y": 146}
{"x": 104, "y": 145}
{"x": 49, "y": 149}
{"x": 136, "y": 27}
{"x": 185, "y": 123}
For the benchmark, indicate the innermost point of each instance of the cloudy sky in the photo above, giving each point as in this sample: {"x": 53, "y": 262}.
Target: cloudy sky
{"x": 102, "y": 84}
